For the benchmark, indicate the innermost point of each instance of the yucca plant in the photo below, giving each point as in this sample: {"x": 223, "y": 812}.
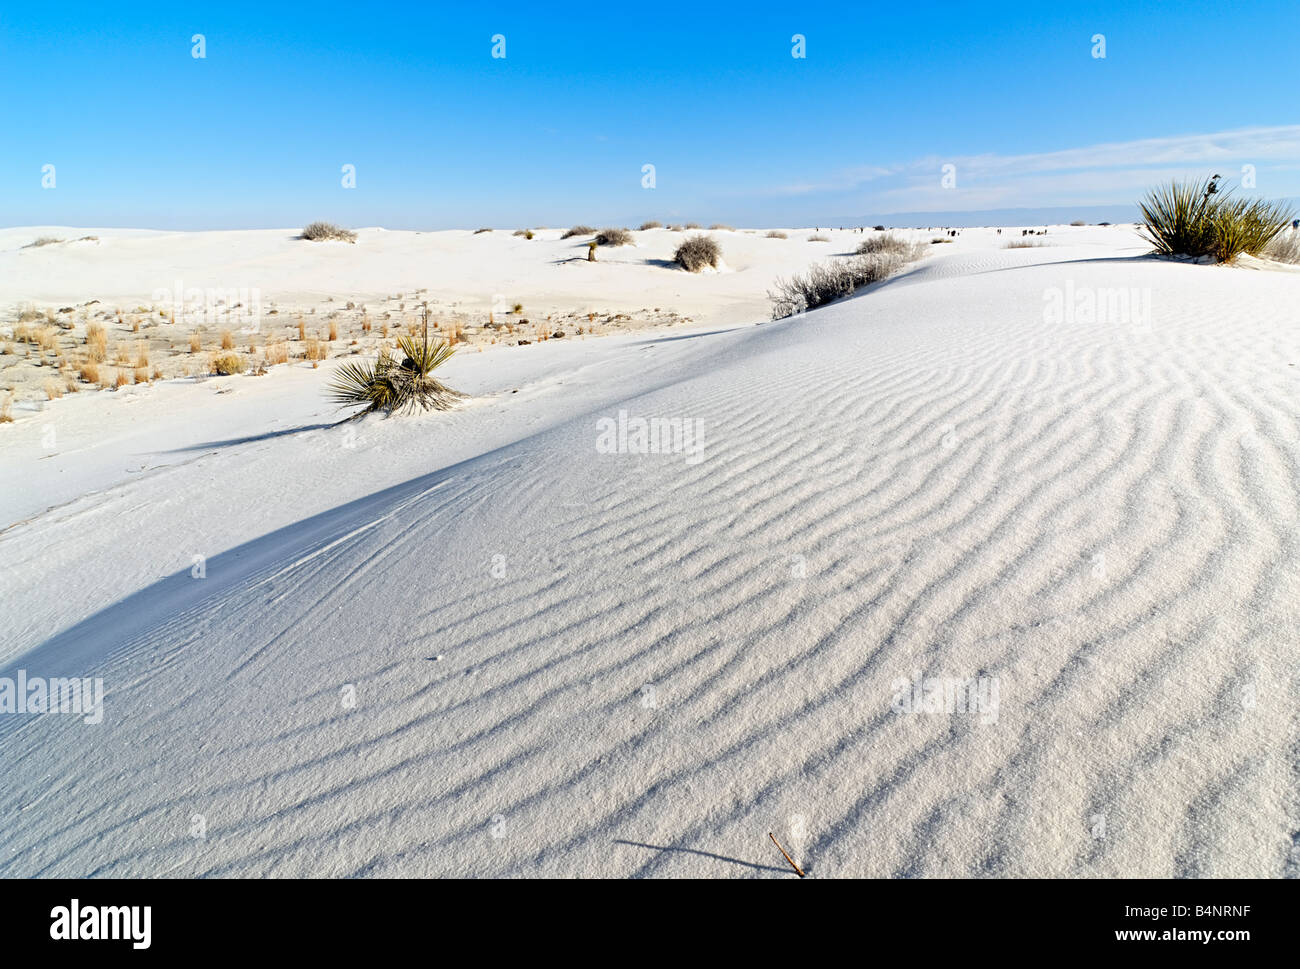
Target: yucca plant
{"x": 1197, "y": 219}
{"x": 392, "y": 387}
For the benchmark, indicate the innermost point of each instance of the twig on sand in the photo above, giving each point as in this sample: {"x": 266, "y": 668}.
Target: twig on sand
{"x": 797, "y": 869}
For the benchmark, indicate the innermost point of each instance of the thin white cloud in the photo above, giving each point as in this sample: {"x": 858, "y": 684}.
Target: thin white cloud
{"x": 1095, "y": 174}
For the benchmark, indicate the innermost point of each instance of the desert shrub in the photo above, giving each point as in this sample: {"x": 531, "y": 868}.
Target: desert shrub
{"x": 1078, "y": 222}
{"x": 477, "y": 231}
{"x": 818, "y": 239}
{"x": 938, "y": 239}
{"x": 885, "y": 243}
{"x": 227, "y": 364}
{"x": 879, "y": 228}
{"x": 44, "y": 241}
{"x": 392, "y": 387}
{"x": 526, "y": 233}
{"x": 89, "y": 372}
{"x": 6, "y": 412}
{"x": 578, "y": 230}
{"x": 652, "y": 224}
{"x": 697, "y": 252}
{"x": 719, "y": 227}
{"x": 1285, "y": 247}
{"x": 613, "y": 237}
{"x": 326, "y": 231}
{"x": 694, "y": 225}
{"x": 1023, "y": 244}
{"x": 1194, "y": 219}
{"x": 827, "y": 282}
{"x": 774, "y": 234}
{"x": 276, "y": 353}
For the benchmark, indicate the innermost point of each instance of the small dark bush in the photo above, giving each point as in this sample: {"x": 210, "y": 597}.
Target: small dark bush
{"x": 697, "y": 252}
{"x": 613, "y": 237}
{"x": 328, "y": 231}
{"x": 650, "y": 225}
{"x": 774, "y": 234}
{"x": 578, "y": 230}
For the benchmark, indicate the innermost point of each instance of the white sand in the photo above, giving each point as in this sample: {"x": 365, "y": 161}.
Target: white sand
{"x": 574, "y": 663}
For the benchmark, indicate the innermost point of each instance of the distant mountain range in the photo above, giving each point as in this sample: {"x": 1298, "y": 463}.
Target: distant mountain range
{"x": 1051, "y": 215}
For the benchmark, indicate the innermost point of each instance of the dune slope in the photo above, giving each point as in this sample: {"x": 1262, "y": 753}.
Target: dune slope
{"x": 534, "y": 658}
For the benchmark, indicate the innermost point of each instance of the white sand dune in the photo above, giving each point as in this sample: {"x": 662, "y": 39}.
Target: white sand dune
{"x": 574, "y": 663}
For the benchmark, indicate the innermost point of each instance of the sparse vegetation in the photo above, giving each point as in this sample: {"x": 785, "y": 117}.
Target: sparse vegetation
{"x": 526, "y": 233}
{"x": 614, "y": 237}
{"x": 1196, "y": 219}
{"x": 328, "y": 231}
{"x": 1023, "y": 244}
{"x": 827, "y": 282}
{"x": 719, "y": 227}
{"x": 1078, "y": 222}
{"x": 392, "y": 387}
{"x": 938, "y": 239}
{"x": 227, "y": 364}
{"x": 478, "y": 231}
{"x": 89, "y": 372}
{"x": 44, "y": 241}
{"x": 697, "y": 252}
{"x": 6, "y": 412}
{"x": 578, "y": 230}
{"x": 775, "y": 234}
{"x": 1285, "y": 247}
{"x": 694, "y": 225}
{"x": 818, "y": 239}
{"x": 886, "y": 243}
{"x": 879, "y": 228}
{"x": 650, "y": 225}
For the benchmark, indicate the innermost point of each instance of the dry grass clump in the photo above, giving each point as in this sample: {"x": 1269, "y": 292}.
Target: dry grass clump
{"x": 886, "y": 243}
{"x": 578, "y": 230}
{"x": 121, "y": 380}
{"x": 652, "y": 224}
{"x": 6, "y": 413}
{"x": 526, "y": 233}
{"x": 316, "y": 350}
{"x": 334, "y": 330}
{"x": 53, "y": 390}
{"x": 224, "y": 365}
{"x": 1078, "y": 222}
{"x": 697, "y": 252}
{"x": 937, "y": 240}
{"x": 328, "y": 231}
{"x": 1196, "y": 219}
{"x": 141, "y": 375}
{"x": 227, "y": 340}
{"x": 828, "y": 282}
{"x": 720, "y": 227}
{"x": 141, "y": 355}
{"x": 478, "y": 231}
{"x": 392, "y": 387}
{"x": 694, "y": 225}
{"x": 44, "y": 241}
{"x": 96, "y": 342}
{"x": 1023, "y": 244}
{"x": 613, "y": 237}
{"x": 196, "y": 342}
{"x": 276, "y": 353}
{"x": 89, "y": 372}
{"x": 777, "y": 234}
{"x": 1285, "y": 247}
{"x": 818, "y": 239}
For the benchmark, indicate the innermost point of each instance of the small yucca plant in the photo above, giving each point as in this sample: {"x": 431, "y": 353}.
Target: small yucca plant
{"x": 392, "y": 387}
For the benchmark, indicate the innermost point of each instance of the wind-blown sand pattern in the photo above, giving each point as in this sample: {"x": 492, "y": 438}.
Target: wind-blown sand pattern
{"x": 573, "y": 663}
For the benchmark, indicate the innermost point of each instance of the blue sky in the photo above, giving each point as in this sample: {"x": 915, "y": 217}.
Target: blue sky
{"x": 442, "y": 134}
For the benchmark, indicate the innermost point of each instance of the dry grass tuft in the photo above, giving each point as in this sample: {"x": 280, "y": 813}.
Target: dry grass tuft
{"x": 327, "y": 231}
